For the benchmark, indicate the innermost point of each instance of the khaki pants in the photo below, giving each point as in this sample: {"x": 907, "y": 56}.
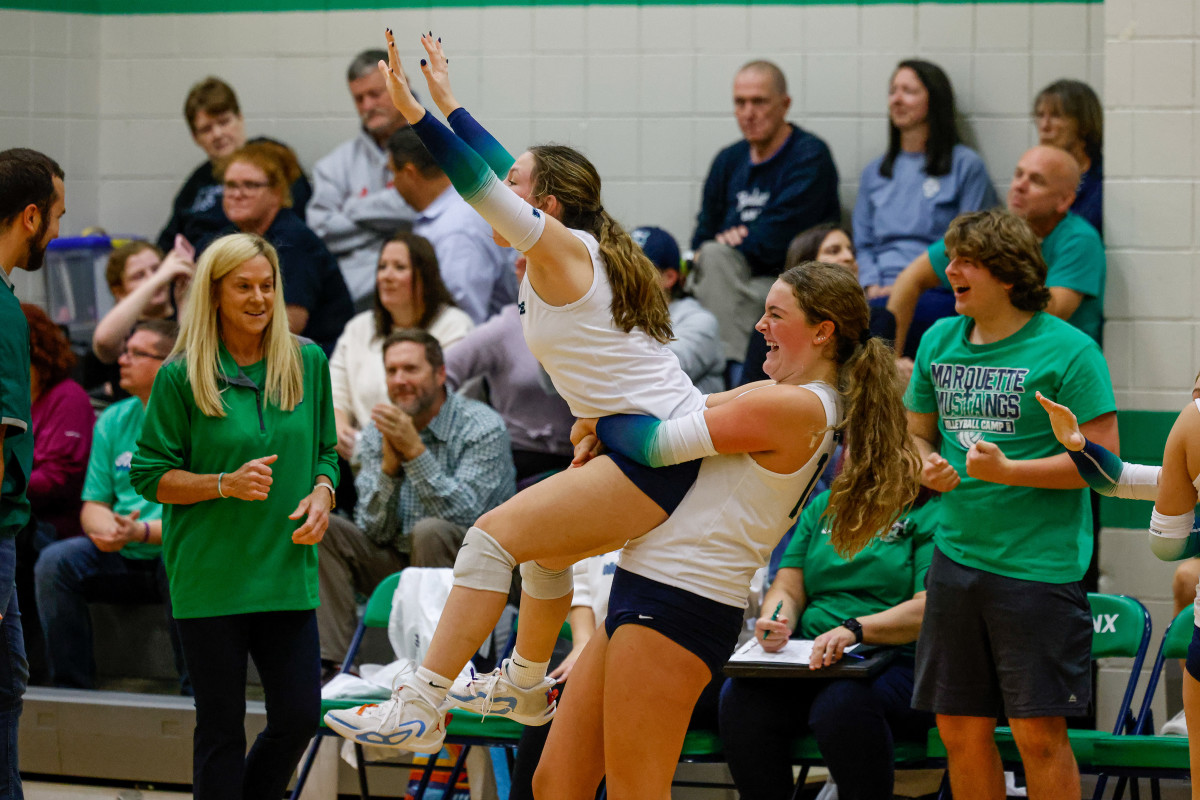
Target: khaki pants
{"x": 349, "y": 563}
{"x": 724, "y": 286}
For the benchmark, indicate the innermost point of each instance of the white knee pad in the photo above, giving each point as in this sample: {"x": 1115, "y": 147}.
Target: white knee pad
{"x": 483, "y": 564}
{"x": 545, "y": 584}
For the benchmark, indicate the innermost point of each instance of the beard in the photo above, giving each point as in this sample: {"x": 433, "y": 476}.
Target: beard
{"x": 35, "y": 250}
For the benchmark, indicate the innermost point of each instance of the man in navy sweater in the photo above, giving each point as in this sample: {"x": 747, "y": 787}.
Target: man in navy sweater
{"x": 760, "y": 192}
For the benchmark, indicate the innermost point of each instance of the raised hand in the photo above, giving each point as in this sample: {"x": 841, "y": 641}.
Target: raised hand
{"x": 397, "y": 84}
{"x": 437, "y": 74}
{"x": 1063, "y": 422}
{"x": 251, "y": 481}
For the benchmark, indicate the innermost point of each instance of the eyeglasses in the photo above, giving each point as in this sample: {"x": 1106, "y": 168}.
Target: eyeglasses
{"x": 133, "y": 353}
{"x": 248, "y": 187}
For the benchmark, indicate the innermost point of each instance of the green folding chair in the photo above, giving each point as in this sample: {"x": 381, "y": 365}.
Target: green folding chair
{"x": 1144, "y": 754}
{"x": 1120, "y": 629}
{"x": 464, "y": 728}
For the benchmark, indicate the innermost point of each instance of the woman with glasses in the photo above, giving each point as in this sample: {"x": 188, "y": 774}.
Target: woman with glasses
{"x": 257, "y": 199}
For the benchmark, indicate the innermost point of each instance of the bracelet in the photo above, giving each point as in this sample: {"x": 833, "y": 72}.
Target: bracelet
{"x": 219, "y": 492}
{"x": 332, "y": 493}
{"x": 145, "y": 532}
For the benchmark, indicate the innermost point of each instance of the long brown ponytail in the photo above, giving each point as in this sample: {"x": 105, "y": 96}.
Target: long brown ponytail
{"x": 881, "y": 475}
{"x": 638, "y": 302}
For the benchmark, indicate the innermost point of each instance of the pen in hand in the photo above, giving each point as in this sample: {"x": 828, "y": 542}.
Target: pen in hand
{"x": 774, "y": 617}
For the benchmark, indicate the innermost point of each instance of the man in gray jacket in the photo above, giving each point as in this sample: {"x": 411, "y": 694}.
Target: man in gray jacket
{"x": 354, "y": 208}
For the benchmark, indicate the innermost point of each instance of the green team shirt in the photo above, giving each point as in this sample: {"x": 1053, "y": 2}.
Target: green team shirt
{"x": 986, "y": 392}
{"x": 1074, "y": 256}
{"x": 230, "y": 556}
{"x": 113, "y": 441}
{"x": 15, "y": 413}
{"x": 888, "y": 571}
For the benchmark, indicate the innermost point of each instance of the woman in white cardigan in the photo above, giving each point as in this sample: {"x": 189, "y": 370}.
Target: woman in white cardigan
{"x": 409, "y": 293}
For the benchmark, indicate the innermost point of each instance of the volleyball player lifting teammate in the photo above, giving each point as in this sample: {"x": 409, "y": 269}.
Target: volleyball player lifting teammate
{"x": 594, "y": 318}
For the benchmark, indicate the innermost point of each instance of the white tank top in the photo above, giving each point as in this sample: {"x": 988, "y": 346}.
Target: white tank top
{"x": 595, "y": 366}
{"x": 730, "y": 520}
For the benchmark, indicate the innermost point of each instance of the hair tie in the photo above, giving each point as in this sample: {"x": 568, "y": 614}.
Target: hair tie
{"x": 864, "y": 337}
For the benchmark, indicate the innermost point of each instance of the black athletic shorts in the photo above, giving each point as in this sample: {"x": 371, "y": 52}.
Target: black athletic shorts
{"x": 992, "y": 645}
{"x": 1193, "y": 655}
{"x": 666, "y": 486}
{"x": 697, "y": 624}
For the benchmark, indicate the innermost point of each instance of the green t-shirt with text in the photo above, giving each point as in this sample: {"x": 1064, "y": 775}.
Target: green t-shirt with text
{"x": 16, "y": 414}
{"x": 888, "y": 571}
{"x": 1074, "y": 256}
{"x": 986, "y": 392}
{"x": 113, "y": 442}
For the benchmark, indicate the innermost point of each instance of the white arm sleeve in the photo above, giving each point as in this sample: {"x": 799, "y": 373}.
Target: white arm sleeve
{"x": 1137, "y": 482}
{"x": 518, "y": 222}
{"x": 685, "y": 438}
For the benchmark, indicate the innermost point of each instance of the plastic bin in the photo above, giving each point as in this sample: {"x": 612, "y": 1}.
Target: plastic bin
{"x": 77, "y": 295}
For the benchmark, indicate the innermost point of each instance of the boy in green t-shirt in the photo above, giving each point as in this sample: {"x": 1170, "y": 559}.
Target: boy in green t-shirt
{"x": 1007, "y": 629}
{"x": 120, "y": 558}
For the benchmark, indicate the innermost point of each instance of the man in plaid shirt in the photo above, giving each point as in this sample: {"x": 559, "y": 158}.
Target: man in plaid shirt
{"x": 429, "y": 464}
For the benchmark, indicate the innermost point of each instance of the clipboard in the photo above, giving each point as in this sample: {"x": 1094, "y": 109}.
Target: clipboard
{"x": 751, "y": 661}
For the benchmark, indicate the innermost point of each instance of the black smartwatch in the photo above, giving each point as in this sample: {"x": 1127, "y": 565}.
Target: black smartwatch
{"x": 855, "y": 627}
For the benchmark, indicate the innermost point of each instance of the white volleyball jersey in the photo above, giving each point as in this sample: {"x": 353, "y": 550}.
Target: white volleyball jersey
{"x": 730, "y": 520}
{"x": 595, "y": 366}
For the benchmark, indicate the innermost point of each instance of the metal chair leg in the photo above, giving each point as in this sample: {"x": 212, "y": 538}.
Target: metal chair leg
{"x": 310, "y": 755}
{"x": 361, "y": 757}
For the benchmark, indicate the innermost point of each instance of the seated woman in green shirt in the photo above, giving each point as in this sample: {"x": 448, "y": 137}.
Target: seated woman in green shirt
{"x": 238, "y": 445}
{"x": 877, "y": 598}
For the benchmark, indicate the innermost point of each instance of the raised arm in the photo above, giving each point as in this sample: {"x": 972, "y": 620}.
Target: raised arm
{"x": 1103, "y": 470}
{"x": 559, "y": 266}
{"x": 112, "y": 331}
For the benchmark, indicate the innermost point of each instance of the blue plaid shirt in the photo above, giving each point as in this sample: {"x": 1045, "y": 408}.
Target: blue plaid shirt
{"x": 466, "y": 469}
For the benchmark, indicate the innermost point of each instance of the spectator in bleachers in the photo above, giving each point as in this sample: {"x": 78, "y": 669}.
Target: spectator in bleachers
{"x": 120, "y": 558}
{"x": 697, "y": 342}
{"x": 1007, "y": 630}
{"x": 215, "y": 121}
{"x": 409, "y": 293}
{"x": 478, "y": 272}
{"x": 430, "y": 463}
{"x": 146, "y": 285}
{"x": 257, "y": 200}
{"x": 539, "y": 421}
{"x": 32, "y": 203}
{"x": 1068, "y": 114}
{"x": 907, "y": 196}
{"x": 761, "y": 191}
{"x": 62, "y": 426}
{"x": 354, "y": 208}
{"x": 1041, "y": 193}
{"x": 876, "y": 599}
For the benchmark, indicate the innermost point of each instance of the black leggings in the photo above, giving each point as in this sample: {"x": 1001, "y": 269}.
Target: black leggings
{"x": 285, "y": 649}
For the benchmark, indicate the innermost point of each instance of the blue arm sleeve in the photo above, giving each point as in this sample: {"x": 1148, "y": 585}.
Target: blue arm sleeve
{"x": 465, "y": 168}
{"x": 1098, "y": 467}
{"x": 631, "y": 435}
{"x": 482, "y": 142}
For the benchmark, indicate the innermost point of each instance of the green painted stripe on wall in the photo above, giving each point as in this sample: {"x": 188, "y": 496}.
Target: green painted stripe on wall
{"x": 233, "y": 6}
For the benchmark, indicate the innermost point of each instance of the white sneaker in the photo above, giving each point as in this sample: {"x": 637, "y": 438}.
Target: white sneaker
{"x": 495, "y": 694}
{"x": 406, "y": 721}
{"x": 1175, "y": 726}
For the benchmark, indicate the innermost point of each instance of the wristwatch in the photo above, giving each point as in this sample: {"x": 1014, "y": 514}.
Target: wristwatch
{"x": 855, "y": 627}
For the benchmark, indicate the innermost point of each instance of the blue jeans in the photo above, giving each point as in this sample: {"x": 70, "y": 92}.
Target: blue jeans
{"x": 853, "y": 719}
{"x": 284, "y": 647}
{"x": 14, "y": 671}
{"x": 71, "y": 573}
